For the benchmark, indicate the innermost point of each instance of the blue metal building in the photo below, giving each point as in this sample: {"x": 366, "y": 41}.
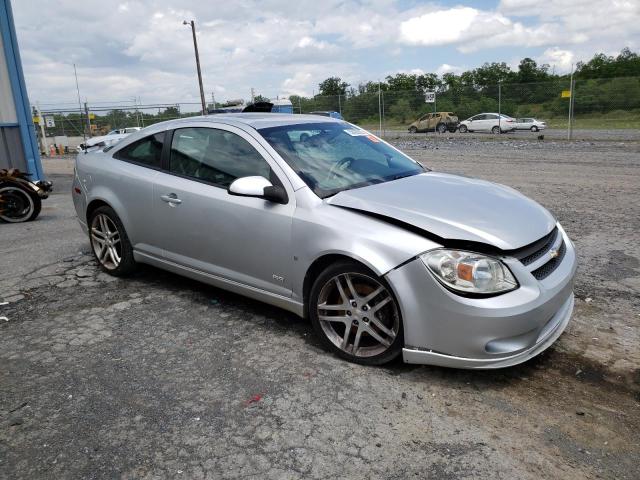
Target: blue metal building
{"x": 18, "y": 144}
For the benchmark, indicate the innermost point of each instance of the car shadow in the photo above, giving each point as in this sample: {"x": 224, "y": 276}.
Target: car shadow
{"x": 204, "y": 294}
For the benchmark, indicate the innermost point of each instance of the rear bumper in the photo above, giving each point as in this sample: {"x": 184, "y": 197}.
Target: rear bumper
{"x": 545, "y": 340}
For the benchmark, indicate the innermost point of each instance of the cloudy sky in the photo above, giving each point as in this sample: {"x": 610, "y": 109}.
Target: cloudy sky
{"x": 127, "y": 48}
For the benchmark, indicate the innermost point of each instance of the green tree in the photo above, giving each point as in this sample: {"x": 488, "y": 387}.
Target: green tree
{"x": 401, "y": 110}
{"x": 333, "y": 86}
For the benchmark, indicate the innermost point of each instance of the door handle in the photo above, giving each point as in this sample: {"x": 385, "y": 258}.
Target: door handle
{"x": 172, "y": 199}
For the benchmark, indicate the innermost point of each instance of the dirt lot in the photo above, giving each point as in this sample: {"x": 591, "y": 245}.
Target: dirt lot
{"x": 161, "y": 377}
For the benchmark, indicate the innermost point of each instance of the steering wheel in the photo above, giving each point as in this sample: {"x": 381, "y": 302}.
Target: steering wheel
{"x": 333, "y": 173}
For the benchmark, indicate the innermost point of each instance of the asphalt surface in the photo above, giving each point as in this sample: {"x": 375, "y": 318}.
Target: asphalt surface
{"x": 157, "y": 376}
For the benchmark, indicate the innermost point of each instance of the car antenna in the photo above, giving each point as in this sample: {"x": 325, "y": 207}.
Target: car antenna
{"x": 84, "y": 136}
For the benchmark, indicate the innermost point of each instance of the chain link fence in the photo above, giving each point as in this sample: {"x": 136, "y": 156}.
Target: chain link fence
{"x": 598, "y": 105}
{"x": 607, "y": 108}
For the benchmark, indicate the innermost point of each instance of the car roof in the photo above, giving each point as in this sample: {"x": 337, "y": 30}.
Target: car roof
{"x": 256, "y": 120}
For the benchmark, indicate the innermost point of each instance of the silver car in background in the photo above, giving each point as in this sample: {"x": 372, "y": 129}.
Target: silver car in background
{"x": 530, "y": 124}
{"x": 328, "y": 221}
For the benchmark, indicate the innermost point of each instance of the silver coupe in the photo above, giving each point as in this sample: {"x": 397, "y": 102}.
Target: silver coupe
{"x": 328, "y": 221}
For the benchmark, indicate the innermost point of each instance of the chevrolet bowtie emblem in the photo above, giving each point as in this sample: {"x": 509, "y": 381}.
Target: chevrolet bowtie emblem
{"x": 553, "y": 253}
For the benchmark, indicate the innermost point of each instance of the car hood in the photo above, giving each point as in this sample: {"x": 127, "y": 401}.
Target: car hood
{"x": 454, "y": 208}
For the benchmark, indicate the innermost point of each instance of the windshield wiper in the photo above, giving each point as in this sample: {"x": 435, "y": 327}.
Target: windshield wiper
{"x": 403, "y": 175}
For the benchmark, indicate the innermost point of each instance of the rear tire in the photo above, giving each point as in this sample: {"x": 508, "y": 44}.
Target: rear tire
{"x": 441, "y": 128}
{"x": 463, "y": 129}
{"x": 356, "y": 323}
{"x": 413, "y": 130}
{"x": 495, "y": 130}
{"x": 109, "y": 242}
{"x": 19, "y": 204}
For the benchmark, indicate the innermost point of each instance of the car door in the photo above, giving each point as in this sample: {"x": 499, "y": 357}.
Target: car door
{"x": 131, "y": 179}
{"x": 490, "y": 120}
{"x": 424, "y": 122}
{"x": 243, "y": 239}
{"x": 475, "y": 122}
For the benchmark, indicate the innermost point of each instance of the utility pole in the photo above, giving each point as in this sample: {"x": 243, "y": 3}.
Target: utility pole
{"x": 135, "y": 102}
{"x": 86, "y": 112}
{"x": 253, "y": 95}
{"x": 195, "y": 48}
{"x": 45, "y": 147}
{"x": 380, "y": 105}
{"x": 499, "y": 107}
{"x": 213, "y": 100}
{"x": 570, "y": 125}
{"x": 141, "y": 113}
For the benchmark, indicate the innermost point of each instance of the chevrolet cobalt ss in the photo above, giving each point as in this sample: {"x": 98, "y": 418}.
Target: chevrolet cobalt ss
{"x": 326, "y": 220}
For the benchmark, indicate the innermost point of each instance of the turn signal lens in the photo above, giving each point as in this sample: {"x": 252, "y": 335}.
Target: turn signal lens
{"x": 469, "y": 272}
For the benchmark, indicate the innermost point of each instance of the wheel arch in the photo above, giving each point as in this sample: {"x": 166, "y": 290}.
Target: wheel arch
{"x": 318, "y": 265}
{"x": 93, "y": 206}
{"x": 107, "y": 198}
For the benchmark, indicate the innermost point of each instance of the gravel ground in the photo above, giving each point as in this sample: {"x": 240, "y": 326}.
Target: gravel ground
{"x": 160, "y": 377}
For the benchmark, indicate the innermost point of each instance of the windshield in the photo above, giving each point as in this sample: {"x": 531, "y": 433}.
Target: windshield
{"x": 332, "y": 157}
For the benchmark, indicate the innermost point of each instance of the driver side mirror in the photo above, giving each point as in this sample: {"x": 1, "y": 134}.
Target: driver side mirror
{"x": 258, "y": 187}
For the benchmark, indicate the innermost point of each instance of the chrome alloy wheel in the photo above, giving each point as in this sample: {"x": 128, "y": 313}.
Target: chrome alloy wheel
{"x": 358, "y": 314}
{"x": 105, "y": 240}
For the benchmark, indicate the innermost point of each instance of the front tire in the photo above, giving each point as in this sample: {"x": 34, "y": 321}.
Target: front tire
{"x": 413, "y": 130}
{"x": 463, "y": 129}
{"x": 534, "y": 129}
{"x": 356, "y": 315}
{"x": 441, "y": 128}
{"x": 109, "y": 242}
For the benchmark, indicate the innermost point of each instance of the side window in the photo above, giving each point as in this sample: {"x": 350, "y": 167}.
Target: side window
{"x": 478, "y": 117}
{"x": 491, "y": 116}
{"x": 215, "y": 156}
{"x": 147, "y": 151}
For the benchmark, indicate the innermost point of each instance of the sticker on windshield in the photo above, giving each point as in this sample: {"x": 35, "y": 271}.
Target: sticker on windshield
{"x": 354, "y": 132}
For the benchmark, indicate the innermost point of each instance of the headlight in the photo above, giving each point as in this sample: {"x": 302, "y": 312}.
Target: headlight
{"x": 469, "y": 272}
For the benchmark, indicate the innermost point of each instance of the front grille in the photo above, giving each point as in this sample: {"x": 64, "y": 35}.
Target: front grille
{"x": 548, "y": 268}
{"x": 529, "y": 254}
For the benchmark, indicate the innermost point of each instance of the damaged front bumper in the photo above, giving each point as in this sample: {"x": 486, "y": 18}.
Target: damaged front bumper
{"x": 446, "y": 329}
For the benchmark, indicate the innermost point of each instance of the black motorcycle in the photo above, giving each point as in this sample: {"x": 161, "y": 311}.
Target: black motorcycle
{"x": 21, "y": 198}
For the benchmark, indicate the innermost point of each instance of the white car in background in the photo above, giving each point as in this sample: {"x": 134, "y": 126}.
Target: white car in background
{"x": 110, "y": 138}
{"x": 530, "y": 124}
{"x": 488, "y": 122}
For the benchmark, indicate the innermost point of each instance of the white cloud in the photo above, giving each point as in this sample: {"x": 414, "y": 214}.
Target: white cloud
{"x": 472, "y": 29}
{"x": 446, "y": 68}
{"x": 140, "y": 48}
{"x": 558, "y": 59}
{"x": 299, "y": 84}
{"x": 439, "y": 27}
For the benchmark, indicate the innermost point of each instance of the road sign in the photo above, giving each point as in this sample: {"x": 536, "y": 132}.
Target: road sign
{"x": 429, "y": 97}
{"x": 566, "y": 94}
{"x": 49, "y": 122}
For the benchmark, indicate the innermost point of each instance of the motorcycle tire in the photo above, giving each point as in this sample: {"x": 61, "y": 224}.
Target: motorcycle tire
{"x": 18, "y": 204}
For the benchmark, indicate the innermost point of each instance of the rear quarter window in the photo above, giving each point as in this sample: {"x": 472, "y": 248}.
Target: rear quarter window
{"x": 146, "y": 151}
